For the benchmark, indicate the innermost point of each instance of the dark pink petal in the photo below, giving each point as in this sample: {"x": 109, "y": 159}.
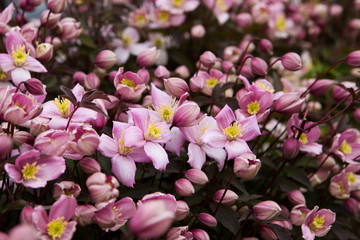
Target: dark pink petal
{"x": 64, "y": 207}
{"x": 329, "y": 216}
{"x": 348, "y": 135}
{"x": 14, "y": 39}
{"x": 134, "y": 137}
{"x": 107, "y": 146}
{"x": 6, "y": 62}
{"x": 157, "y": 154}
{"x": 13, "y": 173}
{"x": 236, "y": 147}
{"x": 218, "y": 154}
{"x": 127, "y": 207}
{"x": 27, "y": 157}
{"x": 214, "y": 138}
{"x": 322, "y": 232}
{"x": 51, "y": 167}
{"x": 196, "y": 155}
{"x": 225, "y": 117}
{"x": 34, "y": 65}
{"x": 19, "y": 75}
{"x": 250, "y": 128}
{"x": 40, "y": 218}
{"x": 124, "y": 169}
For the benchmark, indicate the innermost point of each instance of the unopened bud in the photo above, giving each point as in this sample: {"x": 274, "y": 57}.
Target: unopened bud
{"x": 162, "y": 72}
{"x": 196, "y": 176}
{"x": 90, "y": 165}
{"x": 44, "y": 52}
{"x": 182, "y": 210}
{"x": 291, "y": 148}
{"x": 79, "y": 77}
{"x": 291, "y": 61}
{"x": 207, "y": 59}
{"x": 244, "y": 20}
{"x": 289, "y": 103}
{"x": 51, "y": 21}
{"x": 259, "y": 66}
{"x": 148, "y": 57}
{"x": 84, "y": 214}
{"x": 105, "y": 59}
{"x": 198, "y": 31}
{"x": 92, "y": 81}
{"x": 352, "y": 206}
{"x": 229, "y": 198}
{"x": 175, "y": 86}
{"x": 353, "y": 59}
{"x": 182, "y": 71}
{"x": 266, "y": 233}
{"x": 184, "y": 187}
{"x": 296, "y": 197}
{"x": 357, "y": 115}
{"x": 56, "y": 6}
{"x": 266, "y": 46}
{"x": 34, "y": 86}
{"x": 266, "y": 210}
{"x": 207, "y": 219}
{"x": 246, "y": 165}
{"x": 196, "y": 83}
{"x": 5, "y": 146}
{"x": 200, "y": 234}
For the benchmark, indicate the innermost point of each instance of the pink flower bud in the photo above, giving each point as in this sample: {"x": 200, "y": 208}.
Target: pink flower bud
{"x": 296, "y": 197}
{"x": 84, "y": 214}
{"x": 101, "y": 187}
{"x": 291, "y": 148}
{"x": 105, "y": 59}
{"x": 196, "y": 176}
{"x": 79, "y": 77}
{"x": 67, "y": 188}
{"x": 56, "y": 6}
{"x": 336, "y": 10}
{"x": 186, "y": 114}
{"x": 321, "y": 87}
{"x": 246, "y": 72}
{"x": 21, "y": 137}
{"x": 229, "y": 198}
{"x": 329, "y": 161}
{"x": 182, "y": 210}
{"x": 291, "y": 61}
{"x": 244, "y": 20}
{"x": 266, "y": 233}
{"x": 266, "y": 46}
{"x": 26, "y": 215}
{"x": 51, "y": 21}
{"x": 289, "y": 103}
{"x": 207, "y": 59}
{"x": 175, "y": 86}
{"x": 90, "y": 165}
{"x": 162, "y": 72}
{"x": 196, "y": 83}
{"x": 352, "y": 206}
{"x": 357, "y": 115}
{"x": 84, "y": 139}
{"x": 200, "y": 234}
{"x": 198, "y": 31}
{"x": 266, "y": 210}
{"x": 34, "y": 3}
{"x": 207, "y": 219}
{"x": 177, "y": 233}
{"x": 246, "y": 165}
{"x": 151, "y": 220}
{"x": 34, "y": 86}
{"x": 5, "y": 146}
{"x": 39, "y": 125}
{"x": 340, "y": 93}
{"x": 184, "y": 187}
{"x": 353, "y": 58}
{"x": 148, "y": 57}
{"x": 44, "y": 52}
{"x": 182, "y": 71}
{"x": 259, "y": 66}
{"x": 298, "y": 214}
{"x": 92, "y": 81}
{"x": 227, "y": 67}
{"x": 144, "y": 75}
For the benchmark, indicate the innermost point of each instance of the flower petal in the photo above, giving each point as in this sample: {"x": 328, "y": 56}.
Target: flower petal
{"x": 124, "y": 169}
{"x": 218, "y": 154}
{"x": 19, "y": 75}
{"x": 157, "y": 154}
{"x": 40, "y": 218}
{"x": 34, "y": 65}
{"x": 196, "y": 155}
{"x": 107, "y": 146}
{"x": 250, "y": 128}
{"x": 64, "y": 207}
{"x": 214, "y": 139}
{"x": 6, "y": 62}
{"x": 236, "y": 147}
{"x": 225, "y": 117}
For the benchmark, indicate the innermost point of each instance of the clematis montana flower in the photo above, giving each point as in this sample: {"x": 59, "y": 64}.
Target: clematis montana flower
{"x": 17, "y": 60}
{"x": 346, "y": 145}
{"x": 317, "y": 223}
{"x": 232, "y": 134}
{"x": 35, "y": 171}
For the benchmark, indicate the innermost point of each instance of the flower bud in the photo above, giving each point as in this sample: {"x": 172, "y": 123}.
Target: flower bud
{"x": 34, "y": 3}
{"x": 352, "y": 206}
{"x": 207, "y": 219}
{"x": 162, "y": 72}
{"x": 196, "y": 83}
{"x": 51, "y": 21}
{"x": 186, "y": 114}
{"x": 34, "y": 86}
{"x": 320, "y": 176}
{"x": 353, "y": 58}
{"x": 26, "y": 215}
{"x": 84, "y": 214}
{"x": 229, "y": 198}
{"x": 79, "y": 77}
{"x": 246, "y": 166}
{"x": 266, "y": 233}
{"x": 21, "y": 137}
{"x": 336, "y": 10}
{"x": 291, "y": 61}
{"x": 266, "y": 46}
{"x": 258, "y": 66}
{"x": 200, "y": 234}
{"x": 101, "y": 187}
{"x": 296, "y": 197}
{"x": 321, "y": 87}
{"x": 92, "y": 81}
{"x": 227, "y": 67}
{"x": 148, "y": 57}
{"x": 177, "y": 233}
{"x": 198, "y": 31}
{"x": 84, "y": 139}
{"x": 182, "y": 210}
{"x": 196, "y": 176}
{"x": 56, "y": 6}
{"x": 207, "y": 59}
{"x": 52, "y": 142}
{"x": 357, "y": 115}
{"x": 44, "y": 52}
{"x": 266, "y": 210}
{"x": 5, "y": 146}
{"x": 298, "y": 214}
{"x": 184, "y": 187}
{"x": 105, "y": 59}
{"x": 67, "y": 188}
{"x": 340, "y": 93}
{"x": 291, "y": 148}
{"x": 90, "y": 165}
{"x": 182, "y": 71}
{"x": 151, "y": 219}
{"x": 175, "y": 86}
{"x": 289, "y": 103}
{"x": 244, "y": 20}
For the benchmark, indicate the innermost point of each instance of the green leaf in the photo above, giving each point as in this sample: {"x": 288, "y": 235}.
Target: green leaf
{"x": 87, "y": 41}
{"x": 227, "y": 217}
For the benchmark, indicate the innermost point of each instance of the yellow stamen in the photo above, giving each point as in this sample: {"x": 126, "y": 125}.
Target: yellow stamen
{"x": 351, "y": 177}
{"x": 2, "y": 74}
{"x": 303, "y": 138}
{"x": 253, "y": 107}
{"x": 211, "y": 82}
{"x": 264, "y": 87}
{"x": 163, "y": 16}
{"x": 153, "y": 132}
{"x": 345, "y": 147}
{"x": 127, "y": 82}
{"x": 56, "y": 227}
{"x": 122, "y": 149}
{"x": 29, "y": 171}
{"x": 233, "y": 131}
{"x": 280, "y": 24}
{"x": 126, "y": 41}
{"x": 221, "y": 5}
{"x": 63, "y": 105}
{"x": 166, "y": 112}
{"x": 19, "y": 56}
{"x": 17, "y": 105}
{"x": 177, "y": 3}
{"x": 317, "y": 222}
{"x": 342, "y": 188}
{"x": 117, "y": 211}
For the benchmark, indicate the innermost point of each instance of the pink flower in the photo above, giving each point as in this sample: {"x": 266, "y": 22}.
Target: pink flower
{"x": 177, "y": 6}
{"x": 34, "y": 171}
{"x": 346, "y": 145}
{"x": 129, "y": 85}
{"x": 317, "y": 223}
{"x": 220, "y": 9}
{"x": 210, "y": 80}
{"x": 17, "y": 60}
{"x": 56, "y": 225}
{"x": 232, "y": 134}
{"x": 122, "y": 158}
{"x": 52, "y": 142}
{"x": 102, "y": 188}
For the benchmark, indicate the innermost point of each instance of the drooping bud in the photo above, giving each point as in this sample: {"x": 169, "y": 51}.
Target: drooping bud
{"x": 90, "y": 165}
{"x": 184, "y": 187}
{"x": 289, "y": 103}
{"x": 196, "y": 176}
{"x": 44, "y": 52}
{"x": 84, "y": 214}
{"x": 182, "y": 71}
{"x": 161, "y": 72}
{"x": 246, "y": 165}
{"x": 244, "y": 20}
{"x": 229, "y": 198}
{"x": 175, "y": 86}
{"x": 266, "y": 46}
{"x": 207, "y": 59}
{"x": 266, "y": 233}
{"x": 101, "y": 187}
{"x": 207, "y": 219}
{"x": 291, "y": 61}
{"x": 258, "y": 66}
{"x": 353, "y": 58}
{"x": 67, "y": 188}
{"x": 357, "y": 115}
{"x": 296, "y": 197}
{"x": 321, "y": 87}
{"x": 200, "y": 234}
{"x": 92, "y": 81}
{"x": 291, "y": 148}
{"x": 266, "y": 210}
{"x": 34, "y": 86}
{"x": 51, "y": 21}
{"x": 196, "y": 83}
{"x": 352, "y": 206}
{"x": 56, "y": 6}
{"x": 148, "y": 57}
{"x": 198, "y": 31}
{"x": 105, "y": 59}
{"x": 182, "y": 210}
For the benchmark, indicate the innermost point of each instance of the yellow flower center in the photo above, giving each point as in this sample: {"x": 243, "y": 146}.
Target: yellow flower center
{"x": 17, "y": 105}
{"x": 345, "y": 147}
{"x": 211, "y": 82}
{"x": 29, "y": 171}
{"x": 117, "y": 211}
{"x": 166, "y": 112}
{"x": 19, "y": 56}
{"x": 253, "y": 107}
{"x": 2, "y": 74}
{"x": 63, "y": 105}
{"x": 163, "y": 16}
{"x": 317, "y": 222}
{"x": 122, "y": 149}
{"x": 126, "y": 41}
{"x": 128, "y": 82}
{"x": 177, "y": 3}
{"x": 303, "y": 138}
{"x": 41, "y": 48}
{"x": 221, "y": 5}
{"x": 351, "y": 177}
{"x": 264, "y": 87}
{"x": 280, "y": 23}
{"x": 153, "y": 132}
{"x": 56, "y": 227}
{"x": 68, "y": 192}
{"x": 341, "y": 186}
{"x": 233, "y": 131}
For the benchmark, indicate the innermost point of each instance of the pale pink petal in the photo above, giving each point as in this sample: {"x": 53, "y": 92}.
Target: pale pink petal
{"x": 13, "y": 173}
{"x": 191, "y": 133}
{"x": 214, "y": 139}
{"x": 176, "y": 142}
{"x": 306, "y": 232}
{"x": 40, "y": 218}
{"x": 118, "y": 128}
{"x": 139, "y": 155}
{"x": 250, "y": 128}
{"x": 157, "y": 154}
{"x": 236, "y": 147}
{"x": 84, "y": 115}
{"x": 218, "y": 154}
{"x": 140, "y": 117}
{"x": 134, "y": 137}
{"x": 19, "y": 75}
{"x": 159, "y": 97}
{"x": 107, "y": 146}
{"x": 225, "y": 117}
{"x": 323, "y": 231}
{"x": 196, "y": 155}
{"x": 69, "y": 231}
{"x": 6, "y": 62}
{"x": 122, "y": 55}
{"x": 33, "y": 65}
{"x": 5, "y": 16}
{"x": 124, "y": 169}
{"x": 64, "y": 207}
{"x": 50, "y": 168}
{"x": 58, "y": 123}
{"x": 313, "y": 148}
{"x": 50, "y": 110}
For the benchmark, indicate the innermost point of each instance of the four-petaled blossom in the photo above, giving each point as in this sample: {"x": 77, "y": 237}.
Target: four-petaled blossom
{"x": 317, "y": 223}
{"x": 346, "y": 145}
{"x": 129, "y": 85}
